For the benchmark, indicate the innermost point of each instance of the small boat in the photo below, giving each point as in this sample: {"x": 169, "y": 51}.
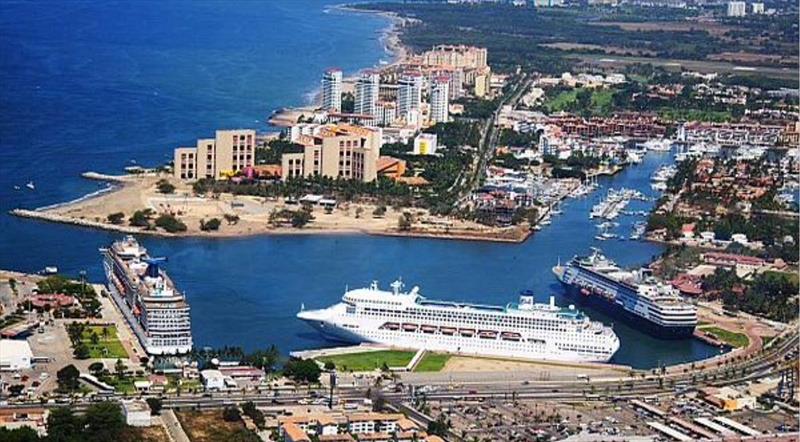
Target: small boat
{"x": 428, "y": 329}
{"x": 510, "y": 336}
{"x": 49, "y": 270}
{"x": 409, "y": 327}
{"x": 447, "y": 330}
{"x": 391, "y": 326}
{"x": 30, "y": 185}
{"x": 16, "y": 187}
{"x": 487, "y": 334}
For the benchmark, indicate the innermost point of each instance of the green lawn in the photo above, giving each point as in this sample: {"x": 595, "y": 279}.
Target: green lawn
{"x": 733, "y": 339}
{"x": 370, "y": 360}
{"x": 432, "y": 362}
{"x": 108, "y": 346}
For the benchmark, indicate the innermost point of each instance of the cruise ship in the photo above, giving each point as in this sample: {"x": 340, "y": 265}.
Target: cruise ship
{"x": 403, "y": 319}
{"x": 633, "y": 296}
{"x": 157, "y": 312}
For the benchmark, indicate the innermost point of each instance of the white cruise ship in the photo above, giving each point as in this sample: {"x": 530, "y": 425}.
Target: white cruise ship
{"x": 155, "y": 309}
{"x": 408, "y": 320}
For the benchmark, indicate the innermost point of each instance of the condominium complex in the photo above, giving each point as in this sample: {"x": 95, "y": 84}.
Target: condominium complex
{"x": 440, "y": 100}
{"x": 456, "y": 56}
{"x": 332, "y": 90}
{"x": 737, "y": 9}
{"x": 409, "y": 93}
{"x": 229, "y": 152}
{"x": 335, "y": 150}
{"x": 367, "y": 92}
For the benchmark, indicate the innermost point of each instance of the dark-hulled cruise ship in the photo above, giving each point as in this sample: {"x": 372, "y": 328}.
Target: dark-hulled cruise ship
{"x": 632, "y": 296}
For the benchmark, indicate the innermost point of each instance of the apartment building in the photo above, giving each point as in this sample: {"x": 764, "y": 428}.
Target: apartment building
{"x": 335, "y": 150}
{"x": 367, "y": 92}
{"x": 332, "y": 90}
{"x": 456, "y": 56}
{"x": 229, "y": 152}
{"x": 440, "y": 100}
{"x": 737, "y": 9}
{"x": 409, "y": 93}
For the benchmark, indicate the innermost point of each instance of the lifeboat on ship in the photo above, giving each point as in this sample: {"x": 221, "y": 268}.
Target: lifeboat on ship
{"x": 391, "y": 326}
{"x": 487, "y": 334}
{"x": 510, "y": 336}
{"x": 410, "y": 327}
{"x": 428, "y": 328}
{"x": 447, "y": 330}
{"x": 466, "y": 332}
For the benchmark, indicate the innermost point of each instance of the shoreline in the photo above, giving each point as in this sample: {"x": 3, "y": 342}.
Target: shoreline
{"x": 389, "y": 40}
{"x": 130, "y": 193}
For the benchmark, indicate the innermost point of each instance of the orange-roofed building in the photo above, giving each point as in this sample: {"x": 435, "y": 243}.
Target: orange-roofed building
{"x": 293, "y": 433}
{"x": 391, "y": 167}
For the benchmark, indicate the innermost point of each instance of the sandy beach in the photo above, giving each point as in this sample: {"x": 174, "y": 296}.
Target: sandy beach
{"x": 139, "y": 192}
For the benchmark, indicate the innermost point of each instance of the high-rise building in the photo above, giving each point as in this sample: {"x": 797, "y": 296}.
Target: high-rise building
{"x": 229, "y": 152}
{"x": 440, "y": 100}
{"x": 737, "y": 9}
{"x": 386, "y": 113}
{"x": 335, "y": 150}
{"x": 332, "y": 90}
{"x": 367, "y": 91}
{"x": 758, "y": 8}
{"x": 409, "y": 93}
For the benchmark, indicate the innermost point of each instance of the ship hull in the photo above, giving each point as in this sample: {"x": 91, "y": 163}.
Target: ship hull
{"x": 617, "y": 311}
{"x": 332, "y": 329}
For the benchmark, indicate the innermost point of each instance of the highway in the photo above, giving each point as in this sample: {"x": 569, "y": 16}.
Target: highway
{"x": 764, "y": 364}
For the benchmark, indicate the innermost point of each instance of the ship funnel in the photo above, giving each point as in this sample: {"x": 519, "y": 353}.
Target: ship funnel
{"x": 152, "y": 267}
{"x": 552, "y": 301}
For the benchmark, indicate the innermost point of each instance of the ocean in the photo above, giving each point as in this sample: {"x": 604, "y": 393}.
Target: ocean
{"x": 102, "y": 85}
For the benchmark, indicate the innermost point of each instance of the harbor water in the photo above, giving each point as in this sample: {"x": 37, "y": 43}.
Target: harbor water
{"x": 102, "y": 92}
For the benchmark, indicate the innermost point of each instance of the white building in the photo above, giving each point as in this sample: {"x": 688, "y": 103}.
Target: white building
{"x": 758, "y": 8}
{"x": 425, "y": 144}
{"x": 409, "y": 93}
{"x": 137, "y": 413}
{"x": 15, "y": 355}
{"x": 440, "y": 100}
{"x": 213, "y": 379}
{"x": 386, "y": 113}
{"x": 367, "y": 91}
{"x": 332, "y": 90}
{"x": 737, "y": 9}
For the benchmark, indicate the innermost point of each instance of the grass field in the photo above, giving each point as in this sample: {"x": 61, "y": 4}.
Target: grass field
{"x": 601, "y": 100}
{"x": 736, "y": 340}
{"x": 107, "y": 346}
{"x": 369, "y": 360}
{"x": 432, "y": 362}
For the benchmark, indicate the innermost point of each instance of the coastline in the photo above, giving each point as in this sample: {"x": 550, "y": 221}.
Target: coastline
{"x": 392, "y": 45}
{"x": 131, "y": 193}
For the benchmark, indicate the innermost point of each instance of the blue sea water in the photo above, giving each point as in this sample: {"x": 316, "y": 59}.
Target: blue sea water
{"x": 94, "y": 85}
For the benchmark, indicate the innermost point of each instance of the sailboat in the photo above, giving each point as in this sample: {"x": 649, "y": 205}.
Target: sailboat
{"x": 30, "y": 185}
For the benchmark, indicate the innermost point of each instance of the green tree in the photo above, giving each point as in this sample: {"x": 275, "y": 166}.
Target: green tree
{"x": 170, "y": 223}
{"x": 165, "y": 186}
{"x": 212, "y": 224}
{"x": 103, "y": 422}
{"x": 300, "y": 218}
{"x": 155, "y": 405}
{"x": 302, "y": 370}
{"x": 67, "y": 378}
{"x": 63, "y": 425}
{"x": 96, "y": 368}
{"x": 116, "y": 218}
{"x": 231, "y": 414}
{"x": 141, "y": 218}
{"x": 404, "y": 222}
